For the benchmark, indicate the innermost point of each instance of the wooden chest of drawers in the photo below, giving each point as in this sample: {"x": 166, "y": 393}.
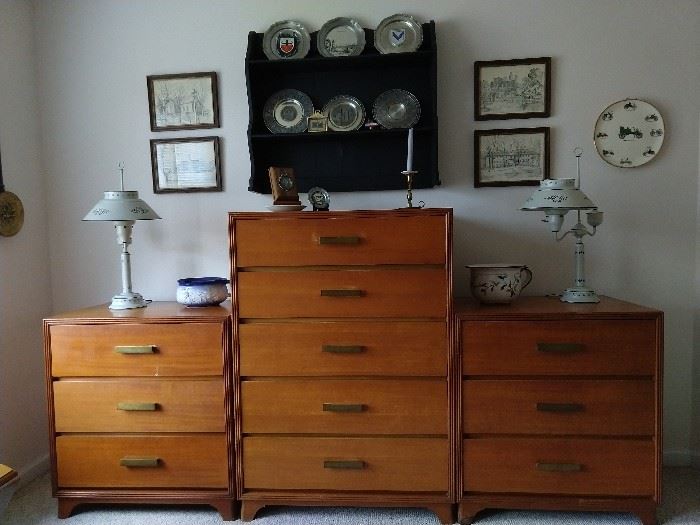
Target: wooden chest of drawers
{"x": 139, "y": 406}
{"x": 561, "y": 406}
{"x": 343, "y": 359}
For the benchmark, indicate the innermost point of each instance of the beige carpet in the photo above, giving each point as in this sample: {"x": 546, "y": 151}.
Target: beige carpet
{"x": 33, "y": 505}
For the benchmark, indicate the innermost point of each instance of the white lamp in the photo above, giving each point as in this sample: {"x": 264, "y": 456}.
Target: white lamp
{"x": 123, "y": 208}
{"x": 556, "y": 197}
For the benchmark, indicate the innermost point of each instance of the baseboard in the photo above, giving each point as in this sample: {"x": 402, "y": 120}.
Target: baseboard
{"x": 33, "y": 470}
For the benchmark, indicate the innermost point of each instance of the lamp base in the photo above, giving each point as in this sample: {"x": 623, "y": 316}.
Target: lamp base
{"x": 579, "y": 294}
{"x": 128, "y": 301}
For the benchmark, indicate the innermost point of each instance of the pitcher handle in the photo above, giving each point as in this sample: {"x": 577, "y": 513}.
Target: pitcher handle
{"x": 528, "y": 279}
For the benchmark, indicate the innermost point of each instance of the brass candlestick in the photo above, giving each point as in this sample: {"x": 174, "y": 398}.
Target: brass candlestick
{"x": 409, "y": 190}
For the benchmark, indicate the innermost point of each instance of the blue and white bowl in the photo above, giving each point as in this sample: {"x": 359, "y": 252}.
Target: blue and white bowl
{"x": 202, "y": 291}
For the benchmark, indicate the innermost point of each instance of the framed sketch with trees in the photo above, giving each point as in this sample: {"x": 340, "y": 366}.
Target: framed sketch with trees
{"x": 506, "y": 89}
{"x": 511, "y": 157}
{"x": 183, "y": 101}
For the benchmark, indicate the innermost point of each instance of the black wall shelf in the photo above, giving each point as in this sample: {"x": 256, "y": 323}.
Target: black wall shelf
{"x": 344, "y": 161}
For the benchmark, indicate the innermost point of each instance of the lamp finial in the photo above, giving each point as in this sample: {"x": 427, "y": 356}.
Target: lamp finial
{"x": 120, "y": 167}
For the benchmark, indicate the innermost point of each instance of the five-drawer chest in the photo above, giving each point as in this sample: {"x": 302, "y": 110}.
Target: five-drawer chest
{"x": 343, "y": 358}
{"x": 344, "y": 373}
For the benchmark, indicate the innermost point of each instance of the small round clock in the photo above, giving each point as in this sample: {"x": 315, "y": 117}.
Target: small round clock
{"x": 285, "y": 182}
{"x": 629, "y": 133}
{"x": 320, "y": 199}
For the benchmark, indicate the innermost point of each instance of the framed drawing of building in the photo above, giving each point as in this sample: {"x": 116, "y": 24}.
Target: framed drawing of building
{"x": 186, "y": 165}
{"x": 506, "y": 89}
{"x": 183, "y": 101}
{"x": 511, "y": 157}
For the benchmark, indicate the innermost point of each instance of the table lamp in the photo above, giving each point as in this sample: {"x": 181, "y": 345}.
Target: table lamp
{"x": 556, "y": 197}
{"x": 123, "y": 208}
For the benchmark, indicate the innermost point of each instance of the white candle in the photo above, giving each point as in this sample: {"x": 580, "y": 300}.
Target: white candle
{"x": 409, "y": 156}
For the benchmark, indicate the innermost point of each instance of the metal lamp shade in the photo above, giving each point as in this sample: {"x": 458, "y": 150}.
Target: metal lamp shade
{"x": 560, "y": 194}
{"x": 121, "y": 206}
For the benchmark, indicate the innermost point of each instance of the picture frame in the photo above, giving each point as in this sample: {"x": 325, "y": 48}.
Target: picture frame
{"x": 509, "y": 89}
{"x": 186, "y": 165}
{"x": 183, "y": 101}
{"x": 511, "y": 157}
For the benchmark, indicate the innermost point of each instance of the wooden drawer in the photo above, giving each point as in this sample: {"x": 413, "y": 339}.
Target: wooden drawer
{"x": 178, "y": 405}
{"x": 343, "y": 348}
{"x": 593, "y": 407}
{"x": 419, "y": 239}
{"x": 184, "y": 461}
{"x": 587, "y": 466}
{"x": 570, "y": 347}
{"x": 377, "y": 293}
{"x": 180, "y": 349}
{"x": 345, "y": 406}
{"x": 370, "y": 464}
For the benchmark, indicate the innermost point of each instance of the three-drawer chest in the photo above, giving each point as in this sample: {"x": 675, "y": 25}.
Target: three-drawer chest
{"x": 140, "y": 406}
{"x": 561, "y": 406}
{"x": 342, "y": 345}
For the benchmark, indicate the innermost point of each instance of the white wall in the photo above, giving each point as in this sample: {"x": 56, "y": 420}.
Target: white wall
{"x": 25, "y": 294}
{"x": 94, "y": 56}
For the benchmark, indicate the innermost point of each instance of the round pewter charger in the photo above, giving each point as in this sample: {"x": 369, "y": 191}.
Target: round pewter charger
{"x": 202, "y": 291}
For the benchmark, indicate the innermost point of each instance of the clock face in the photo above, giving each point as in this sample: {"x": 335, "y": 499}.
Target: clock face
{"x": 285, "y": 182}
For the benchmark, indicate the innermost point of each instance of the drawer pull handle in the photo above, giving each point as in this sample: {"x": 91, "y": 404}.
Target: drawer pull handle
{"x": 560, "y": 407}
{"x": 346, "y": 464}
{"x": 560, "y": 348}
{"x": 344, "y": 407}
{"x": 343, "y": 349}
{"x": 558, "y": 467}
{"x": 346, "y": 240}
{"x": 342, "y": 292}
{"x": 136, "y": 349}
{"x": 139, "y": 462}
{"x": 137, "y": 406}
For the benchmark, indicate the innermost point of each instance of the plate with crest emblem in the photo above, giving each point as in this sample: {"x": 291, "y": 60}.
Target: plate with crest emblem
{"x": 285, "y": 40}
{"x": 398, "y": 34}
{"x": 629, "y": 133}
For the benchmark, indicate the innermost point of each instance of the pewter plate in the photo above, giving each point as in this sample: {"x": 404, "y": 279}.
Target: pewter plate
{"x": 287, "y": 110}
{"x": 344, "y": 113}
{"x": 287, "y": 39}
{"x": 396, "y": 108}
{"x": 340, "y": 37}
{"x": 629, "y": 133}
{"x": 398, "y": 34}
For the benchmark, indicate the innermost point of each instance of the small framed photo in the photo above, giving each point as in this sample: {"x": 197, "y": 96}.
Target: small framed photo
{"x": 183, "y": 101}
{"x": 186, "y": 165}
{"x": 506, "y": 89}
{"x": 511, "y": 157}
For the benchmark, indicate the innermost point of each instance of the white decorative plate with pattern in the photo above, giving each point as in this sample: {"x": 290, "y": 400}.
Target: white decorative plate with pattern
{"x": 629, "y": 133}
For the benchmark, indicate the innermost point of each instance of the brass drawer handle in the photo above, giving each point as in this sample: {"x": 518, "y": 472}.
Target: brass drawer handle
{"x": 558, "y": 467}
{"x": 346, "y": 464}
{"x": 136, "y": 349}
{"x": 346, "y": 240}
{"x": 560, "y": 407}
{"x": 344, "y": 407}
{"x": 137, "y": 406}
{"x": 140, "y": 461}
{"x": 343, "y": 349}
{"x": 560, "y": 348}
{"x": 341, "y": 292}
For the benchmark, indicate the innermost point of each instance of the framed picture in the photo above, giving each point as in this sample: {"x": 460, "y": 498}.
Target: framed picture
{"x": 511, "y": 157}
{"x": 505, "y": 89}
{"x": 183, "y": 101}
{"x": 186, "y": 165}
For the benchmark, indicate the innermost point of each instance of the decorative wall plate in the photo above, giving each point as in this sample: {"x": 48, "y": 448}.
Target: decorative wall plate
{"x": 344, "y": 113}
{"x": 287, "y": 111}
{"x": 286, "y": 39}
{"x": 396, "y": 108}
{"x": 629, "y": 133}
{"x": 398, "y": 34}
{"x": 319, "y": 198}
{"x": 340, "y": 37}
